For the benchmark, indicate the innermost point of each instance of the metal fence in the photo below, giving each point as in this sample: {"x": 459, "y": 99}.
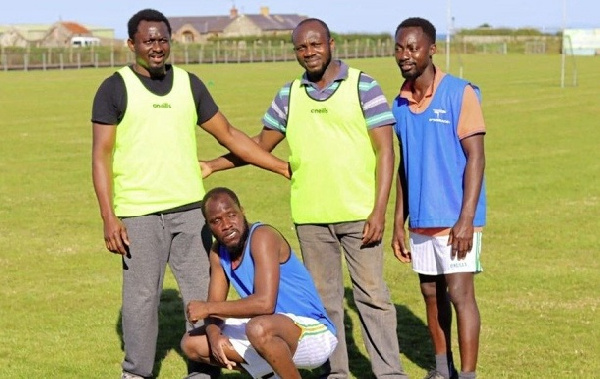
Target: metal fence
{"x": 241, "y": 52}
{"x": 100, "y": 56}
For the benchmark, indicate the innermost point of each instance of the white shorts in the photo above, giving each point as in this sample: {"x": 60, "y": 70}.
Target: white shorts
{"x": 315, "y": 345}
{"x": 431, "y": 255}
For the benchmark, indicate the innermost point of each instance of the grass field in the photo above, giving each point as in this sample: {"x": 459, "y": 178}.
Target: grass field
{"x": 539, "y": 295}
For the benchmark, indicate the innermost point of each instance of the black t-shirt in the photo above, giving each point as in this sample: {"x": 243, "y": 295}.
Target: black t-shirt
{"x": 110, "y": 101}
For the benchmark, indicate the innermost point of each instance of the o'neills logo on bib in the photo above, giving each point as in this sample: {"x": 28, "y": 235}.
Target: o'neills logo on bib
{"x": 163, "y": 105}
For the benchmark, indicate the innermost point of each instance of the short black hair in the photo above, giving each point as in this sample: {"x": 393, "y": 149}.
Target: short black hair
{"x": 306, "y": 20}
{"x": 419, "y": 22}
{"x": 216, "y": 192}
{"x": 145, "y": 15}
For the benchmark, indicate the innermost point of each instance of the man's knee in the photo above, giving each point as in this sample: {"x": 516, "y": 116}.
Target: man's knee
{"x": 186, "y": 347}
{"x": 462, "y": 298}
{"x": 429, "y": 290}
{"x": 194, "y": 348}
{"x": 257, "y": 331}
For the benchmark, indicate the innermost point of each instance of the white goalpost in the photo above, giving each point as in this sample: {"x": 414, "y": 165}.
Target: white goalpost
{"x": 567, "y": 49}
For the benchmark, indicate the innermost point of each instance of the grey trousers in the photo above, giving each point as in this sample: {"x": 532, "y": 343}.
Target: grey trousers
{"x": 321, "y": 246}
{"x": 180, "y": 240}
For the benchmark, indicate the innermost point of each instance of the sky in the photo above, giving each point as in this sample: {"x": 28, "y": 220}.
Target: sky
{"x": 342, "y": 16}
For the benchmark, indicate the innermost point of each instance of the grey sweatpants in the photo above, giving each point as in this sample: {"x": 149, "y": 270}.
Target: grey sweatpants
{"x": 180, "y": 240}
{"x": 322, "y": 246}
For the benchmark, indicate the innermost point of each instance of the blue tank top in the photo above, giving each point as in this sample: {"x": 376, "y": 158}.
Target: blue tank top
{"x": 433, "y": 158}
{"x": 297, "y": 293}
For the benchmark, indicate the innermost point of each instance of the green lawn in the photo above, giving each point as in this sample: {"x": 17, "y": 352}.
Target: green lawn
{"x": 538, "y": 296}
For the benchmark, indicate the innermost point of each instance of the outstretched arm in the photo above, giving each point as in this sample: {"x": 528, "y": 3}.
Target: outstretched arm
{"x": 243, "y": 149}
{"x": 381, "y": 139}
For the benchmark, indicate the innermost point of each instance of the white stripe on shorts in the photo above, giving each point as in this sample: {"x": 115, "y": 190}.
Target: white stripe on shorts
{"x": 316, "y": 342}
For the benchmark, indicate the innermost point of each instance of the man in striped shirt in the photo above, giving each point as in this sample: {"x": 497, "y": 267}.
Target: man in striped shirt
{"x": 339, "y": 128}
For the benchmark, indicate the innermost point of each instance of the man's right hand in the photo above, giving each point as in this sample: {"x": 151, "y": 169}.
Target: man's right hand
{"x": 205, "y": 169}
{"x": 115, "y": 235}
{"x": 218, "y": 344}
{"x": 399, "y": 245}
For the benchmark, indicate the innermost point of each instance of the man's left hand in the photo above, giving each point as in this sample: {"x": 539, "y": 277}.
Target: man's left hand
{"x": 461, "y": 239}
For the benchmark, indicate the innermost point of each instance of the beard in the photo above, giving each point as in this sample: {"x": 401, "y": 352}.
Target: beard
{"x": 318, "y": 74}
{"x": 409, "y": 75}
{"x": 157, "y": 72}
{"x": 236, "y": 249}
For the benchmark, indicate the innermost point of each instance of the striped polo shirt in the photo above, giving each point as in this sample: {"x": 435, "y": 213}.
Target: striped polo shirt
{"x": 375, "y": 106}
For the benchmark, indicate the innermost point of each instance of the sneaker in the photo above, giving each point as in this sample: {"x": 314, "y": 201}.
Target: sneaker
{"x": 128, "y": 375}
{"x": 433, "y": 374}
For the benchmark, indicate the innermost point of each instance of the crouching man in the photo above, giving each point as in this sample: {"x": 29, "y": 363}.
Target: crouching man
{"x": 278, "y": 324}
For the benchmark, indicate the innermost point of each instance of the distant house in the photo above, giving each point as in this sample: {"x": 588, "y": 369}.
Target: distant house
{"x": 188, "y": 29}
{"x": 22, "y": 35}
{"x": 199, "y": 29}
{"x": 59, "y": 34}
